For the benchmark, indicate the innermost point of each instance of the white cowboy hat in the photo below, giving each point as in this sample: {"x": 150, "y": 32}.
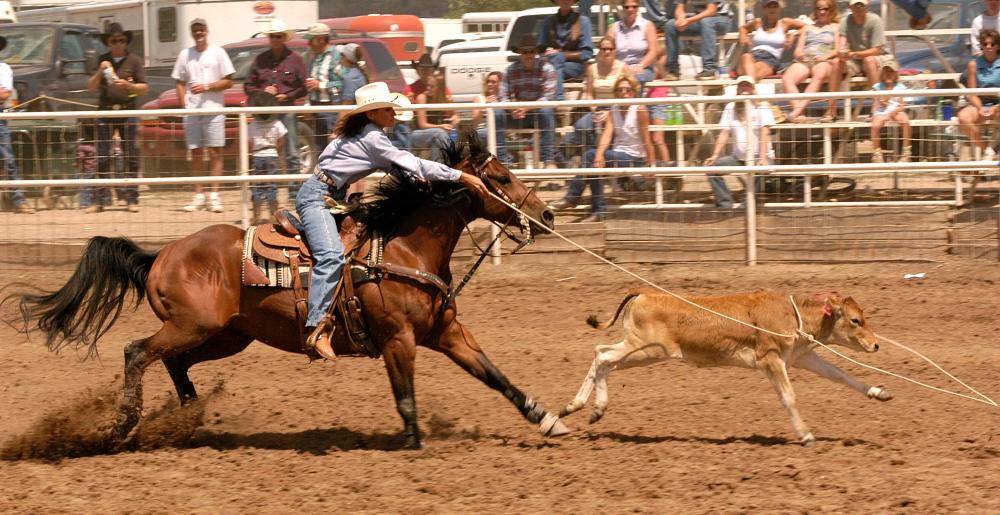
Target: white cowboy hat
{"x": 377, "y": 96}
{"x": 277, "y": 26}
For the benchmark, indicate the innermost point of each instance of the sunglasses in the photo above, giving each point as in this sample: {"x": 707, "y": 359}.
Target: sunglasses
{"x": 822, "y": 9}
{"x": 115, "y": 41}
{"x": 607, "y": 49}
{"x": 630, "y": 7}
{"x": 276, "y": 36}
{"x": 623, "y": 90}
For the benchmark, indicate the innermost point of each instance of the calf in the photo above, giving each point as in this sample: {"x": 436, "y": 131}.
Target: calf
{"x": 660, "y": 326}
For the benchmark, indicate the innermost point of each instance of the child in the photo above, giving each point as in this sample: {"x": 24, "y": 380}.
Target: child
{"x": 86, "y": 166}
{"x": 890, "y": 108}
{"x": 266, "y": 134}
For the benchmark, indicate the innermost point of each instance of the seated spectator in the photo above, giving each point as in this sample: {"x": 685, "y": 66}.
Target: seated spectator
{"x": 531, "y": 79}
{"x": 816, "y": 53}
{"x": 862, "y": 44}
{"x": 732, "y": 125}
{"x": 917, "y": 9}
{"x": 658, "y": 116}
{"x": 567, "y": 43}
{"x": 987, "y": 20}
{"x": 709, "y": 18}
{"x": 890, "y": 108}
{"x": 768, "y": 41}
{"x": 490, "y": 94}
{"x": 434, "y": 127}
{"x": 599, "y": 85}
{"x": 984, "y": 72}
{"x": 625, "y": 143}
{"x": 635, "y": 41}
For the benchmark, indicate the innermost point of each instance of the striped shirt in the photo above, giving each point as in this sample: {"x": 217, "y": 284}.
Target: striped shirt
{"x": 323, "y": 68}
{"x": 523, "y": 84}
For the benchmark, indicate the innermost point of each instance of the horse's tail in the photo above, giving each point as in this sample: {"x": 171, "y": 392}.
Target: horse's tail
{"x": 89, "y": 303}
{"x": 632, "y": 293}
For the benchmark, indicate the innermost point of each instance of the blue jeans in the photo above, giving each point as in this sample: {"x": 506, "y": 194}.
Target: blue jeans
{"x": 612, "y": 159}
{"x": 543, "y": 119}
{"x": 915, "y": 8}
{"x": 293, "y": 162}
{"x": 326, "y": 246}
{"x": 400, "y": 136}
{"x": 9, "y": 165}
{"x": 264, "y": 191}
{"x": 564, "y": 70}
{"x": 106, "y": 128}
{"x": 435, "y": 139}
{"x": 502, "y": 154}
{"x": 709, "y": 28}
{"x": 724, "y": 197}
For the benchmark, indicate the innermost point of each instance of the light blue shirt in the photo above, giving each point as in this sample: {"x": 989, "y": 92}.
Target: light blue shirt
{"x": 348, "y": 160}
{"x": 353, "y": 79}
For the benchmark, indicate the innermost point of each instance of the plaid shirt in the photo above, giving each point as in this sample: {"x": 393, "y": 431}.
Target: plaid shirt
{"x": 287, "y": 74}
{"x": 522, "y": 84}
{"x": 324, "y": 68}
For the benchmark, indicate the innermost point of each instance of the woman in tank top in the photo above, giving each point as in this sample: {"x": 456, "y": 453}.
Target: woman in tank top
{"x": 815, "y": 55}
{"x": 768, "y": 41}
{"x": 635, "y": 41}
{"x": 625, "y": 143}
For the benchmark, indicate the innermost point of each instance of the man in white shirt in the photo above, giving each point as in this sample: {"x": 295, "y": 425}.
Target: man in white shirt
{"x": 203, "y": 74}
{"x": 987, "y": 20}
{"x": 8, "y": 163}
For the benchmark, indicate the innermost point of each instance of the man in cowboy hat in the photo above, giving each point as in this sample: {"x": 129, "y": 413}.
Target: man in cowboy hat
{"x": 361, "y": 147}
{"x": 8, "y": 168}
{"x": 323, "y": 81}
{"x": 527, "y": 79}
{"x": 282, "y": 73}
{"x": 203, "y": 74}
{"x": 124, "y": 80}
{"x": 567, "y": 41}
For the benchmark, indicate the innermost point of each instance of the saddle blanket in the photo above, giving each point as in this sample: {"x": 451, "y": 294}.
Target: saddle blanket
{"x": 278, "y": 274}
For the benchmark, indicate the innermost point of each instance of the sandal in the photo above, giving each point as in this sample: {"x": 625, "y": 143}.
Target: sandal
{"x": 800, "y": 119}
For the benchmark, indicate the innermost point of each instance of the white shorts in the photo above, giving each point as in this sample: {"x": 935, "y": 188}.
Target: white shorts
{"x": 205, "y": 131}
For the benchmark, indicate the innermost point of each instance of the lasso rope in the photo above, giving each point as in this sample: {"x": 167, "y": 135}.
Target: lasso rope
{"x": 798, "y": 333}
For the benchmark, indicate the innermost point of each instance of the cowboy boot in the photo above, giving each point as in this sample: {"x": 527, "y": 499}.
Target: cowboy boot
{"x": 255, "y": 218}
{"x": 319, "y": 341}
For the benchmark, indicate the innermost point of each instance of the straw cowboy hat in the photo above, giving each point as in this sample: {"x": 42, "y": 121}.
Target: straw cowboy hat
{"x": 377, "y": 96}
{"x": 278, "y": 27}
{"x": 115, "y": 29}
{"x": 317, "y": 30}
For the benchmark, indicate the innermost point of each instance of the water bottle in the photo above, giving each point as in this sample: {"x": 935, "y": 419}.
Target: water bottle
{"x": 940, "y": 109}
{"x": 723, "y": 71}
{"x": 947, "y": 109}
{"x": 611, "y": 19}
{"x": 678, "y": 114}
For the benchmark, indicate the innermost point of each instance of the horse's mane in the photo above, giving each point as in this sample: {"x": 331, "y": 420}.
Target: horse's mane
{"x": 397, "y": 196}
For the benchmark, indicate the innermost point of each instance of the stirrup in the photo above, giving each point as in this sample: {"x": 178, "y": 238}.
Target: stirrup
{"x": 319, "y": 341}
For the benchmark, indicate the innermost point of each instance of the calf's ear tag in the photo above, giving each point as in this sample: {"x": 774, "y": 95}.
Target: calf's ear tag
{"x": 826, "y": 310}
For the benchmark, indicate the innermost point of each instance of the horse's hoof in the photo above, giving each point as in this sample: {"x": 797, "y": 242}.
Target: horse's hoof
{"x": 808, "y": 440}
{"x": 880, "y": 394}
{"x": 551, "y": 426}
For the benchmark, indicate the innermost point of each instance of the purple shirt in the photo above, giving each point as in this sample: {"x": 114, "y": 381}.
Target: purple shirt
{"x": 287, "y": 74}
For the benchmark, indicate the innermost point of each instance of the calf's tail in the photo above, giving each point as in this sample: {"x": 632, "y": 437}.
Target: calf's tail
{"x": 632, "y": 293}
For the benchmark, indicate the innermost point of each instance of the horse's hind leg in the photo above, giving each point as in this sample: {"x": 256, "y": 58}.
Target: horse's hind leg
{"x": 399, "y": 354}
{"x": 459, "y": 345}
{"x": 222, "y": 345}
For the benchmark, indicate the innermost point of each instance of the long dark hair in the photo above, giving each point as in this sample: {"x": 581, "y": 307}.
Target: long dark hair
{"x": 350, "y": 126}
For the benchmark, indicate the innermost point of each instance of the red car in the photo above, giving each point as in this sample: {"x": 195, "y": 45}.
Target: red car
{"x": 161, "y": 139}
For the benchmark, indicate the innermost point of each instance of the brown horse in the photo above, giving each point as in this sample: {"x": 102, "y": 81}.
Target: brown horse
{"x": 194, "y": 287}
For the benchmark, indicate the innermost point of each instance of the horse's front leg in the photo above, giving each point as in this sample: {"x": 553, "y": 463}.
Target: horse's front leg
{"x": 399, "y": 354}
{"x": 459, "y": 345}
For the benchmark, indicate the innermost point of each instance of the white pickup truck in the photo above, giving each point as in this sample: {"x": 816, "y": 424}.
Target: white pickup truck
{"x": 466, "y": 64}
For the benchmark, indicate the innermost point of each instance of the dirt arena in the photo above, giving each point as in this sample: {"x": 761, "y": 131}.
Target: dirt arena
{"x": 281, "y": 435}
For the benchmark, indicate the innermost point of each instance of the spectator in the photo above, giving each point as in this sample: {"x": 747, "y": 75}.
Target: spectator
{"x": 917, "y": 9}
{"x": 987, "y": 20}
{"x": 890, "y": 108}
{"x": 9, "y": 164}
{"x": 531, "y": 79}
{"x": 203, "y": 74}
{"x": 625, "y": 143}
{"x": 567, "y": 43}
{"x": 658, "y": 116}
{"x": 86, "y": 157}
{"x": 425, "y": 71}
{"x": 816, "y": 55}
{"x": 124, "y": 80}
{"x": 768, "y": 41}
{"x": 862, "y": 44}
{"x": 434, "y": 127}
{"x": 984, "y": 72}
{"x": 635, "y": 41}
{"x": 599, "y": 85}
{"x": 733, "y": 125}
{"x": 490, "y": 94}
{"x": 706, "y": 17}
{"x": 266, "y": 135}
{"x": 282, "y": 73}
{"x": 353, "y": 72}
{"x": 323, "y": 82}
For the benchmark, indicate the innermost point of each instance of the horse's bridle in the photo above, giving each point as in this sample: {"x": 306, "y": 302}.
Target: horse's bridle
{"x": 480, "y": 171}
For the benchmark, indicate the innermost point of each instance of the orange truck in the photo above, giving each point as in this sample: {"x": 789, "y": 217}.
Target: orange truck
{"x": 403, "y": 34}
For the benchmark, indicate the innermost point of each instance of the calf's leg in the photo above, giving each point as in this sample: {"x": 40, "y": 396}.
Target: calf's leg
{"x": 774, "y": 368}
{"x": 625, "y": 354}
{"x": 814, "y": 363}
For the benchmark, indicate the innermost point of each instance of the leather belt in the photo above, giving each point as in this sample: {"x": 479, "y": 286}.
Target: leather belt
{"x": 325, "y": 180}
{"x": 118, "y": 107}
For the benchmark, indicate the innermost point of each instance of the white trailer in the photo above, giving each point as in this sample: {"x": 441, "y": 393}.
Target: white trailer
{"x": 160, "y": 27}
